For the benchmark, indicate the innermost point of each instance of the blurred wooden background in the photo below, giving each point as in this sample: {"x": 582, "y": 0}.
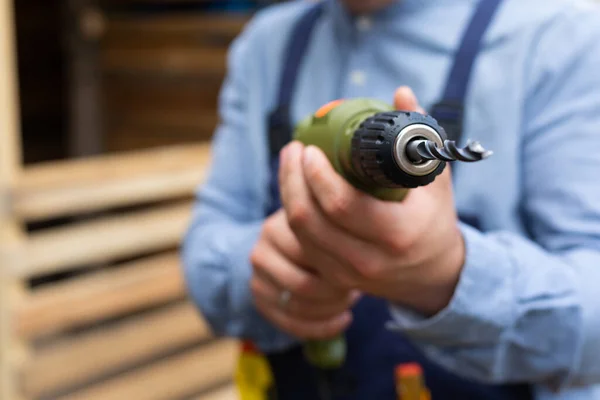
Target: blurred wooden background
{"x": 102, "y": 143}
{"x": 115, "y": 75}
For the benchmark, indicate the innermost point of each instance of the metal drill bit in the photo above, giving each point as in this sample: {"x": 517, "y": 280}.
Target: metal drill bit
{"x": 421, "y": 150}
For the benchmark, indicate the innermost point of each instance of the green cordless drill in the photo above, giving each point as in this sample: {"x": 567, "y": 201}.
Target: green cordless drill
{"x": 382, "y": 152}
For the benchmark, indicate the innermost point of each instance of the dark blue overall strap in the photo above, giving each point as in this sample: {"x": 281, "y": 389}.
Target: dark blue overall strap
{"x": 449, "y": 112}
{"x": 280, "y": 126}
{"x": 279, "y": 122}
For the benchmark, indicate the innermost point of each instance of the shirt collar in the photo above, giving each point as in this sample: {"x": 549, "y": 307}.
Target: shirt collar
{"x": 347, "y": 24}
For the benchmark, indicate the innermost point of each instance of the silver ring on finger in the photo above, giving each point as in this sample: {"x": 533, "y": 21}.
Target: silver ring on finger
{"x": 284, "y": 299}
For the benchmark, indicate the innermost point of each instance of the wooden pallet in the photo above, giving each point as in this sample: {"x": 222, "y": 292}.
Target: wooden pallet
{"x": 92, "y": 299}
{"x": 119, "y": 326}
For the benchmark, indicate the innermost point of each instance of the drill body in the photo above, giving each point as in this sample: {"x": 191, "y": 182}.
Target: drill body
{"x": 365, "y": 141}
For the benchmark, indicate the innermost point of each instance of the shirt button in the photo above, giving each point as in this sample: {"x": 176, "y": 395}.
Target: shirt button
{"x": 358, "y": 77}
{"x": 364, "y": 24}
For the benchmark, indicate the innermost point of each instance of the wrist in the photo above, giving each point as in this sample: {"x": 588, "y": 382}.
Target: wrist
{"x": 432, "y": 285}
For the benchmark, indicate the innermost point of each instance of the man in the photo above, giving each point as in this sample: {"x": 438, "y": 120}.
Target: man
{"x": 490, "y": 274}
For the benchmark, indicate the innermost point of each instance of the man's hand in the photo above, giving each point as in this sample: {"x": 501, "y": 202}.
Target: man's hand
{"x": 314, "y": 309}
{"x": 410, "y": 252}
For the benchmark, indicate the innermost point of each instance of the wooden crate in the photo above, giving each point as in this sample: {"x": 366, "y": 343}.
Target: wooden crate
{"x": 92, "y": 300}
{"x": 97, "y": 304}
{"x": 161, "y": 75}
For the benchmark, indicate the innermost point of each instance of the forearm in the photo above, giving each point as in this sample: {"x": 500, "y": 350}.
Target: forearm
{"x": 518, "y": 313}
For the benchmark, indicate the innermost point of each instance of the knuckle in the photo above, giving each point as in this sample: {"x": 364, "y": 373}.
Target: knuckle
{"x": 369, "y": 268}
{"x": 302, "y": 286}
{"x": 299, "y": 215}
{"x": 304, "y": 311}
{"x": 256, "y": 257}
{"x": 343, "y": 281}
{"x": 314, "y": 174}
{"x": 267, "y": 227}
{"x": 338, "y": 206}
{"x": 272, "y": 226}
{"x": 415, "y": 255}
{"x": 398, "y": 244}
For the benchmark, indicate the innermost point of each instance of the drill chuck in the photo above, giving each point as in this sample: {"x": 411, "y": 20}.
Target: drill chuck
{"x": 402, "y": 149}
{"x": 379, "y": 155}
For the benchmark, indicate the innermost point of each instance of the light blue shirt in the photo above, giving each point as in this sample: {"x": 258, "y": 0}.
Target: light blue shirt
{"x": 528, "y": 302}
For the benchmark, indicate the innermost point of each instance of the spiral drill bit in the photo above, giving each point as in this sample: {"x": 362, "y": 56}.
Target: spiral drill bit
{"x": 421, "y": 150}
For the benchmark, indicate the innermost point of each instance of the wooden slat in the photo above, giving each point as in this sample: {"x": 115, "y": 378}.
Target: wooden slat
{"x": 172, "y": 61}
{"x": 104, "y": 240}
{"x": 98, "y": 296}
{"x": 144, "y": 130}
{"x": 10, "y": 167}
{"x": 127, "y": 138}
{"x": 71, "y": 187}
{"x": 10, "y": 140}
{"x": 167, "y": 121}
{"x": 228, "y": 392}
{"x": 104, "y": 2}
{"x": 77, "y": 360}
{"x": 171, "y": 28}
{"x": 176, "y": 377}
{"x": 125, "y": 96}
{"x": 105, "y": 168}
{"x": 121, "y": 2}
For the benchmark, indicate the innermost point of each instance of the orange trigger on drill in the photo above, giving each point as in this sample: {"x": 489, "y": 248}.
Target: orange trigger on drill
{"x": 321, "y": 112}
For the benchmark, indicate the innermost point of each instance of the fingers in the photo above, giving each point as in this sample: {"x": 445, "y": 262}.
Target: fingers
{"x": 297, "y": 307}
{"x": 333, "y": 270}
{"x": 360, "y": 214}
{"x": 308, "y": 220}
{"x": 308, "y": 255}
{"x": 305, "y": 329}
{"x": 315, "y": 310}
{"x": 268, "y": 261}
{"x": 405, "y": 99}
{"x": 303, "y": 212}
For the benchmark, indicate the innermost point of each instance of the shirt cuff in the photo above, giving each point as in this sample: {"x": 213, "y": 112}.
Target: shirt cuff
{"x": 482, "y": 304}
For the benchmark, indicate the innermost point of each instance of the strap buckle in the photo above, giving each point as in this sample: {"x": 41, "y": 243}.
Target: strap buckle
{"x": 450, "y": 115}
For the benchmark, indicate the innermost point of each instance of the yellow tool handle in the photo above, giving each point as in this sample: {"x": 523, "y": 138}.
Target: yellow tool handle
{"x": 253, "y": 377}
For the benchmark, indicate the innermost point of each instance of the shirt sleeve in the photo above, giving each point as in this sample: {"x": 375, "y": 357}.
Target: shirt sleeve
{"x": 229, "y": 213}
{"x": 527, "y": 308}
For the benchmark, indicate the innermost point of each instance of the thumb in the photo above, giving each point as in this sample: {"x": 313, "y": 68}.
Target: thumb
{"x": 405, "y": 100}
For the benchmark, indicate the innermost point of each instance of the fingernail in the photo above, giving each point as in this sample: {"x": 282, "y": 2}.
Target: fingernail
{"x": 408, "y": 92}
{"x": 410, "y": 95}
{"x": 310, "y": 154}
{"x": 406, "y": 97}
